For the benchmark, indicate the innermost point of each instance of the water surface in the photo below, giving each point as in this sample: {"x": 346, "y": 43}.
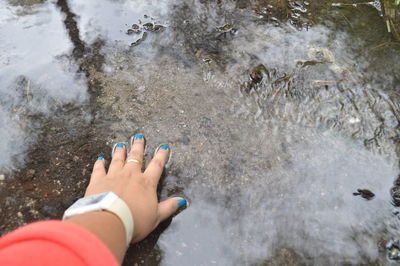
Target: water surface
{"x": 269, "y": 168}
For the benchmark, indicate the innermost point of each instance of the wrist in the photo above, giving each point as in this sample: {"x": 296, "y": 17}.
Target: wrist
{"x": 106, "y": 201}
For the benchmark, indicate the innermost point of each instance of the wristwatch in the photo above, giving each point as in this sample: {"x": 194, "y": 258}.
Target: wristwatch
{"x": 107, "y": 201}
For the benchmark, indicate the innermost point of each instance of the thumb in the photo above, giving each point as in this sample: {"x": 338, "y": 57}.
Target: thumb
{"x": 170, "y": 206}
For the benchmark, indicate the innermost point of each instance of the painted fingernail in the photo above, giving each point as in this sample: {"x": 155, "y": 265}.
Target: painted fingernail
{"x": 164, "y": 147}
{"x": 120, "y": 145}
{"x": 181, "y": 203}
{"x": 139, "y": 136}
{"x": 100, "y": 158}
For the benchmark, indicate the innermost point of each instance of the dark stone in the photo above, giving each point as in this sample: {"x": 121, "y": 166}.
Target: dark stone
{"x": 49, "y": 211}
{"x": 148, "y": 26}
{"x": 365, "y": 193}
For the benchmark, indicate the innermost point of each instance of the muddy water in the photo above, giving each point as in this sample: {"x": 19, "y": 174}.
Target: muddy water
{"x": 269, "y": 168}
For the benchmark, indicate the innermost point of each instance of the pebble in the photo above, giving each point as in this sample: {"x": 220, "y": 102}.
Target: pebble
{"x": 30, "y": 173}
{"x": 49, "y": 211}
{"x": 393, "y": 249}
{"x": 2, "y": 177}
{"x": 19, "y": 214}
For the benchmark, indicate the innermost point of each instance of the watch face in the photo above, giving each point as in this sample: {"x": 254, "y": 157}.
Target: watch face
{"x": 93, "y": 203}
{"x": 88, "y": 201}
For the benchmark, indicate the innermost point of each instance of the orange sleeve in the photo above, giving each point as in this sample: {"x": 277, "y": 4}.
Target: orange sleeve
{"x": 54, "y": 243}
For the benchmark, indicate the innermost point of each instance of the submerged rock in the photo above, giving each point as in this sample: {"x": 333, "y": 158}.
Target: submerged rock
{"x": 157, "y": 28}
{"x": 144, "y": 29}
{"x": 256, "y": 73}
{"x": 135, "y": 29}
{"x": 393, "y": 247}
{"x": 138, "y": 41}
{"x": 130, "y": 32}
{"x": 148, "y": 26}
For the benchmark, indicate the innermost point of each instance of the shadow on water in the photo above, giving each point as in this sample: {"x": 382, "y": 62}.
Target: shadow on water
{"x": 269, "y": 162}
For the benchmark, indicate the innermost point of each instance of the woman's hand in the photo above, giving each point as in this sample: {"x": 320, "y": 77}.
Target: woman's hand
{"x": 136, "y": 187}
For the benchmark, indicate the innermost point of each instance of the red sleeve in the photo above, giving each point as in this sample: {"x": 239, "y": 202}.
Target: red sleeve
{"x": 54, "y": 243}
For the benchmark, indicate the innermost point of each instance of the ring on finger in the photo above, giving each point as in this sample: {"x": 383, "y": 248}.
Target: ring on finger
{"x": 134, "y": 161}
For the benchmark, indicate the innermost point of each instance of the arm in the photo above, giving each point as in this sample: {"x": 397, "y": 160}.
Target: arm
{"x": 98, "y": 237}
{"x": 136, "y": 188}
{"x": 95, "y": 222}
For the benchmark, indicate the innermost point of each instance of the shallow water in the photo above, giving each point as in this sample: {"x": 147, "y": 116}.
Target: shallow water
{"x": 36, "y": 74}
{"x": 266, "y": 167}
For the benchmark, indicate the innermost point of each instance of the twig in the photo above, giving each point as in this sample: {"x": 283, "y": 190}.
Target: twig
{"x": 383, "y": 44}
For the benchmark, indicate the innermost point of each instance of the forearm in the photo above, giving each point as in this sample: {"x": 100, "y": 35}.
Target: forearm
{"x": 107, "y": 227}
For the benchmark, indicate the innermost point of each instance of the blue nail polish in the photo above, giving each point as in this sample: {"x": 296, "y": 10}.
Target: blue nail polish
{"x": 138, "y": 136}
{"x": 181, "y": 203}
{"x": 164, "y": 147}
{"x": 120, "y": 145}
{"x": 100, "y": 158}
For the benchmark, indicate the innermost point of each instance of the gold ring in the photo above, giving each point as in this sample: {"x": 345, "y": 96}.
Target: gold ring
{"x": 134, "y": 161}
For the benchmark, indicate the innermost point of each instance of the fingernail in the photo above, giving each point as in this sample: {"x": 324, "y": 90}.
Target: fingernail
{"x": 181, "y": 203}
{"x": 164, "y": 147}
{"x": 138, "y": 136}
{"x": 100, "y": 158}
{"x": 120, "y": 145}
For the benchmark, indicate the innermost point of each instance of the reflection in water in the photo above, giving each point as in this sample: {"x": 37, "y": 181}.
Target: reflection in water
{"x": 266, "y": 166}
{"x": 270, "y": 167}
{"x": 304, "y": 203}
{"x": 36, "y": 73}
{"x": 111, "y": 21}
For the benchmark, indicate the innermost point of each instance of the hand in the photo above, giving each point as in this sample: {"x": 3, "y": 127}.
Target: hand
{"x": 137, "y": 188}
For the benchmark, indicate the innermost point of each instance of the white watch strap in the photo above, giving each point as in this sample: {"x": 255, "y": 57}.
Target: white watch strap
{"x": 121, "y": 209}
{"x": 110, "y": 202}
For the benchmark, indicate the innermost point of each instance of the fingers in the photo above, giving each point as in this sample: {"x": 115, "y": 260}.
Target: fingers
{"x": 168, "y": 207}
{"x": 135, "y": 156}
{"x": 99, "y": 170}
{"x": 118, "y": 157}
{"x": 156, "y": 166}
